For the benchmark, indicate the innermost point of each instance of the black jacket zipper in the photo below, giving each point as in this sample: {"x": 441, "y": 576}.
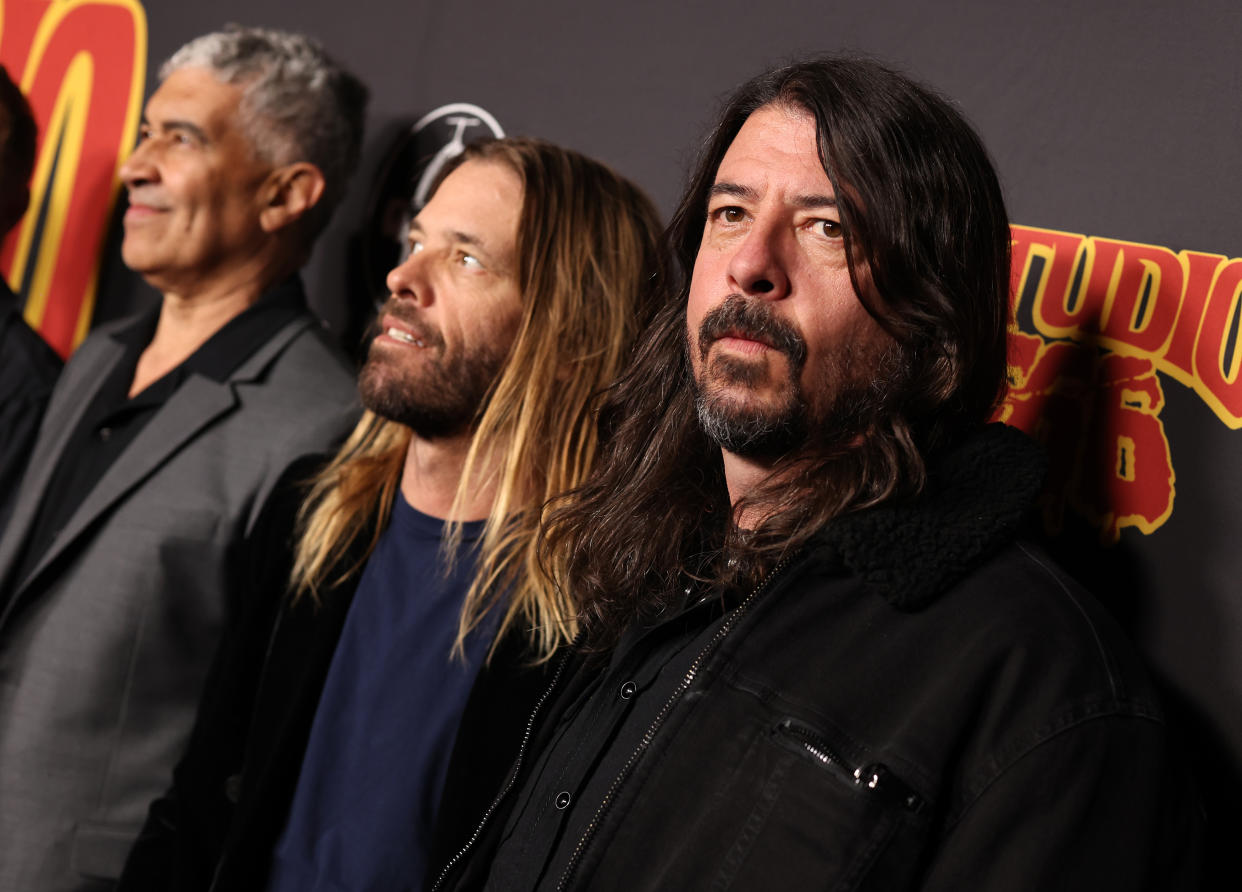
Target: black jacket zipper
{"x": 729, "y": 624}
{"x": 874, "y": 777}
{"x": 513, "y": 773}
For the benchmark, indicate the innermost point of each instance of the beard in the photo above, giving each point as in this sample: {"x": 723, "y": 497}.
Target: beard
{"x": 848, "y": 392}
{"x": 434, "y": 395}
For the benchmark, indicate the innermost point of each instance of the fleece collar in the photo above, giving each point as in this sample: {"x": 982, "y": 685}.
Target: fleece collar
{"x": 975, "y": 501}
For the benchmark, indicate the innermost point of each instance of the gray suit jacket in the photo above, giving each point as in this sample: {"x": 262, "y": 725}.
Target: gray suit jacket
{"x": 105, "y": 645}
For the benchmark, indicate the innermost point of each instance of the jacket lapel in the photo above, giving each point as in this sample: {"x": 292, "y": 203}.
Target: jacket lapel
{"x": 70, "y": 402}
{"x": 198, "y": 402}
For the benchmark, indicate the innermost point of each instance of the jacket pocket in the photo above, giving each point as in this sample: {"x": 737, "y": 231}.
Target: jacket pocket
{"x": 746, "y": 797}
{"x": 873, "y": 778}
{"x": 821, "y": 819}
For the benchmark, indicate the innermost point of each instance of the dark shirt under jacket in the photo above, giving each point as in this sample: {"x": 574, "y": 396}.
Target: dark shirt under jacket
{"x": 116, "y": 418}
{"x": 28, "y": 372}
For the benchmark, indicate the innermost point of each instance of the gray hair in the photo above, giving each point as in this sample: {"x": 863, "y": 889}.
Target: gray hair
{"x": 297, "y": 103}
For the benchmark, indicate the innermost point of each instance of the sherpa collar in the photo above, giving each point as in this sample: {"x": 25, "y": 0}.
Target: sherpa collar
{"x": 976, "y": 498}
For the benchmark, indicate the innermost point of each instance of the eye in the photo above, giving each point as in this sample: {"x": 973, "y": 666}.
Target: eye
{"x": 412, "y": 247}
{"x": 829, "y": 228}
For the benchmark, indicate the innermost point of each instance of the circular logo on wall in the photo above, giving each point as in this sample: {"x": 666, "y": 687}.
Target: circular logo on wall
{"x": 413, "y": 165}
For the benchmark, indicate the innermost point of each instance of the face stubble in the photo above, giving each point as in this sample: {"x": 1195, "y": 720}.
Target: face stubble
{"x": 846, "y": 393}
{"x": 441, "y": 395}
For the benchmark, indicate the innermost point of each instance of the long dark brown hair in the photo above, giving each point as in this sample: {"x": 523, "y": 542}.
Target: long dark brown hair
{"x": 927, "y": 241}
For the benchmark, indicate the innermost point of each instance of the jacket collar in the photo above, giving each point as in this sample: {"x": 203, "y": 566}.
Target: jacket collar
{"x": 976, "y": 499}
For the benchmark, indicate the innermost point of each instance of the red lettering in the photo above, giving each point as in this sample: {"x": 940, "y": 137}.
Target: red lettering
{"x": 82, "y": 64}
{"x": 1127, "y": 479}
{"x": 1143, "y": 297}
{"x": 1178, "y": 358}
{"x": 1218, "y": 352}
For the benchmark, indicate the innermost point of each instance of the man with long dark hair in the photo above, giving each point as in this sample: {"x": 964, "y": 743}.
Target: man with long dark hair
{"x": 816, "y": 651}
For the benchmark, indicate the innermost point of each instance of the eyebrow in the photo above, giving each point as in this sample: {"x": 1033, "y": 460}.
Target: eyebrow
{"x": 746, "y": 193}
{"x": 733, "y": 190}
{"x": 453, "y": 235}
{"x": 188, "y": 126}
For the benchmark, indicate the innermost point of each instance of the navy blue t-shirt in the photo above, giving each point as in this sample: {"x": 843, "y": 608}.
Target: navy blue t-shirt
{"x": 364, "y": 810}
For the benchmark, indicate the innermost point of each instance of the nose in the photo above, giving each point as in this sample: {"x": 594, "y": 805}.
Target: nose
{"x": 758, "y": 266}
{"x": 407, "y": 280}
{"x": 139, "y": 167}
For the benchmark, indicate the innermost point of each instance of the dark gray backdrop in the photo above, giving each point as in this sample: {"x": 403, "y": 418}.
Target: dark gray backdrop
{"x": 1115, "y": 119}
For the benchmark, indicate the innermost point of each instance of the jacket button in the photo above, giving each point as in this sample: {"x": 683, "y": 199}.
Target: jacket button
{"x": 232, "y": 788}
{"x": 562, "y": 800}
{"x": 628, "y": 689}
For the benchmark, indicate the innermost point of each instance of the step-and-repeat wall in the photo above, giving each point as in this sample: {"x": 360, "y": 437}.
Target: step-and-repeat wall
{"x": 1116, "y": 128}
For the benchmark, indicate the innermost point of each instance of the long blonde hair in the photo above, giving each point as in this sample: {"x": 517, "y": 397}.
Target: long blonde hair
{"x": 586, "y": 249}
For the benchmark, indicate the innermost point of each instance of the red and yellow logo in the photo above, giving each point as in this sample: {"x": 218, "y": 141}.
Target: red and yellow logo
{"x": 1107, "y": 316}
{"x": 82, "y": 65}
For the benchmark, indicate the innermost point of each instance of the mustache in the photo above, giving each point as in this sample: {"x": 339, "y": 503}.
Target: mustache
{"x": 754, "y": 320}
{"x": 407, "y": 316}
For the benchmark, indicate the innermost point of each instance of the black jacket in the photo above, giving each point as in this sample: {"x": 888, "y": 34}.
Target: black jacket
{"x": 28, "y": 372}
{"x": 921, "y": 700}
{"x": 218, "y": 825}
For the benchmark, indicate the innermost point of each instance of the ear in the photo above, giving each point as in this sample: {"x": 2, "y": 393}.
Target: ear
{"x": 288, "y": 193}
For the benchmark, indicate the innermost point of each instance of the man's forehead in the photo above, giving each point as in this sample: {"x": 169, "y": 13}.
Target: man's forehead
{"x": 196, "y": 95}
{"x": 479, "y": 203}
{"x": 777, "y": 145}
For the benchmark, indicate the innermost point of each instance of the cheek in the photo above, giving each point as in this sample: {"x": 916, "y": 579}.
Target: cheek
{"x": 694, "y": 318}
{"x": 700, "y": 298}
{"x": 699, "y": 303}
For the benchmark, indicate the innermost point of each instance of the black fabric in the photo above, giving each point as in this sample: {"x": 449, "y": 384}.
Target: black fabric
{"x": 28, "y": 372}
{"x": 181, "y": 839}
{"x": 976, "y": 500}
{"x": 956, "y": 715}
{"x": 112, "y": 422}
{"x": 218, "y": 824}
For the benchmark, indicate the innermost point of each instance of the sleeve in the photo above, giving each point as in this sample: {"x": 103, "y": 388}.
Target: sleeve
{"x": 1098, "y": 805}
{"x": 186, "y": 828}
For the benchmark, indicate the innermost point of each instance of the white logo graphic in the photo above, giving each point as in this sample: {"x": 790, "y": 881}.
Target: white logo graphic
{"x": 461, "y": 117}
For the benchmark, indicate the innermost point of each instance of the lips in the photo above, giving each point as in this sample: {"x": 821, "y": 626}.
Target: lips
{"x": 751, "y": 321}
{"x": 406, "y": 332}
{"x": 745, "y": 335}
{"x": 141, "y": 212}
{"x": 398, "y": 334}
{"x": 143, "y": 204}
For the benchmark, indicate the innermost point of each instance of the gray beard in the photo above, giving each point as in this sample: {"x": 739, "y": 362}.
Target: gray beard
{"x": 759, "y": 434}
{"x": 857, "y": 388}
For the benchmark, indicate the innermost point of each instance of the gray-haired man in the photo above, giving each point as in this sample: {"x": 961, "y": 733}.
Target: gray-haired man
{"x": 166, "y": 446}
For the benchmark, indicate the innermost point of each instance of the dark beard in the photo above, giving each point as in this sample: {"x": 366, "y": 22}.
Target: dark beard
{"x": 440, "y": 399}
{"x": 751, "y": 431}
{"x": 852, "y": 390}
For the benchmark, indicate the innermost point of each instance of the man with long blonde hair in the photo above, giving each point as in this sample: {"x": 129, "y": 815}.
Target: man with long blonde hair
{"x": 416, "y": 557}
